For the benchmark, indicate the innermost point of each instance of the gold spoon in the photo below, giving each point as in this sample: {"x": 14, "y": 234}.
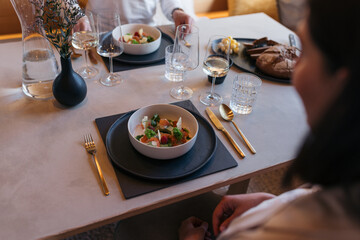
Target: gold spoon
{"x": 228, "y": 115}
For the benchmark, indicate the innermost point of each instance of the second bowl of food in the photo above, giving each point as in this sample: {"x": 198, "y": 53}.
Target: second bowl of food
{"x": 162, "y": 131}
{"x": 139, "y": 39}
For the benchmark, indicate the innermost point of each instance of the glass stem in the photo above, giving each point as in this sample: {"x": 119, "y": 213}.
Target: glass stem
{"x": 212, "y": 87}
{"x": 182, "y": 87}
{"x": 86, "y": 60}
{"x": 111, "y": 66}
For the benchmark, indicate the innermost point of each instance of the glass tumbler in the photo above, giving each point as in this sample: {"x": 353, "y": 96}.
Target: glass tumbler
{"x": 245, "y": 89}
{"x": 171, "y": 73}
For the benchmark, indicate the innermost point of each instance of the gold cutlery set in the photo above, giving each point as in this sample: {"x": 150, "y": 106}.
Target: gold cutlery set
{"x": 228, "y": 115}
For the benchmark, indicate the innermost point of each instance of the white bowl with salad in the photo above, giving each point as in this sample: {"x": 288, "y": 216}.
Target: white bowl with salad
{"x": 162, "y": 131}
{"x": 139, "y": 39}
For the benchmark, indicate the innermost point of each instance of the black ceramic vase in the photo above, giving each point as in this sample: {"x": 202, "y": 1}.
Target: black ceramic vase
{"x": 69, "y": 88}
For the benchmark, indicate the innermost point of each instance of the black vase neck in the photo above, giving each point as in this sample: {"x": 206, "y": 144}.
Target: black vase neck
{"x": 66, "y": 65}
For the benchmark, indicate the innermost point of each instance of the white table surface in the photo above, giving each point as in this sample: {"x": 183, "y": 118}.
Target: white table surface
{"x": 49, "y": 186}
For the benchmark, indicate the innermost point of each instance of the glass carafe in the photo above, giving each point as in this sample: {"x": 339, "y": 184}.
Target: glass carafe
{"x": 39, "y": 67}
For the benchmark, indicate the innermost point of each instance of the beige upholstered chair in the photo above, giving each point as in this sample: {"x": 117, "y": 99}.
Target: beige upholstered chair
{"x": 9, "y": 23}
{"x": 288, "y": 12}
{"x": 239, "y": 7}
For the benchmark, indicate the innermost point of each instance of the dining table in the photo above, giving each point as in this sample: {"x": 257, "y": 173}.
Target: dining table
{"x": 49, "y": 187}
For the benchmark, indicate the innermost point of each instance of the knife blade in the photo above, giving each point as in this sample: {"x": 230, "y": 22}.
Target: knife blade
{"x": 292, "y": 40}
{"x": 219, "y": 126}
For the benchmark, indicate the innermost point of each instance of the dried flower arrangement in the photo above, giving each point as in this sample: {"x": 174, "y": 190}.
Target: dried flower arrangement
{"x": 58, "y": 17}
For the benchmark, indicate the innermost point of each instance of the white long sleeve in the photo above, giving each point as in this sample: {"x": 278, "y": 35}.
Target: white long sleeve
{"x": 167, "y": 6}
{"x": 136, "y": 11}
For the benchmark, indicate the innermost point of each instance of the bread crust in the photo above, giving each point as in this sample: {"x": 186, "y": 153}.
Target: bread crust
{"x": 278, "y": 61}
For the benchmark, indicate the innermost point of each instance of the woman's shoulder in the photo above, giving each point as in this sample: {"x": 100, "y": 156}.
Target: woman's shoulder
{"x": 326, "y": 214}
{"x": 321, "y": 214}
{"x": 332, "y": 203}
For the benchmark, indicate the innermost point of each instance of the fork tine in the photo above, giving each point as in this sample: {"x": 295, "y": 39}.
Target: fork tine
{"x": 92, "y": 143}
{"x": 87, "y": 141}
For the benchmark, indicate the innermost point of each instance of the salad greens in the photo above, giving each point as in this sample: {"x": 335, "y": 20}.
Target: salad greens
{"x": 139, "y": 37}
{"x": 162, "y": 132}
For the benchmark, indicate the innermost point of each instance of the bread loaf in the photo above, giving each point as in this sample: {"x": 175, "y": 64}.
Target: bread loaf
{"x": 277, "y": 61}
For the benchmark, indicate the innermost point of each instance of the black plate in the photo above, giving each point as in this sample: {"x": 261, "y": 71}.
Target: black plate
{"x": 125, "y": 156}
{"x": 154, "y": 57}
{"x": 245, "y": 63}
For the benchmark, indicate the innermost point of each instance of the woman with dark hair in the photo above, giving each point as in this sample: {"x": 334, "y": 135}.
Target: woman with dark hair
{"x": 327, "y": 78}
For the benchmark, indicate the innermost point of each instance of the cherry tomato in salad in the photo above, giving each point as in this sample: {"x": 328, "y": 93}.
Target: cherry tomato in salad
{"x": 164, "y": 139}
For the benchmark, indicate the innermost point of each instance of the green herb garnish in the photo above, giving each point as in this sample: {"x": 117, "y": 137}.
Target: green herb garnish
{"x": 149, "y": 133}
{"x": 150, "y": 39}
{"x": 177, "y": 133}
{"x": 156, "y": 118}
{"x": 138, "y": 137}
{"x": 153, "y": 123}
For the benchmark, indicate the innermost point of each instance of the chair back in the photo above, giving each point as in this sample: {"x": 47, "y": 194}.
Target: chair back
{"x": 9, "y": 22}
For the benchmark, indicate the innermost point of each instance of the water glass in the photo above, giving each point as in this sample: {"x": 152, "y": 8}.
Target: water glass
{"x": 172, "y": 74}
{"x": 245, "y": 89}
{"x": 185, "y": 57}
{"x": 108, "y": 25}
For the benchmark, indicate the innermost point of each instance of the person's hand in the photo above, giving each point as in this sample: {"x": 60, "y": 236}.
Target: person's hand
{"x": 180, "y": 17}
{"x": 194, "y": 228}
{"x": 232, "y": 206}
{"x": 83, "y": 24}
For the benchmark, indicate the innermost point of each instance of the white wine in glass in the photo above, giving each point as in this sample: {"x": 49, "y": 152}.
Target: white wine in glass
{"x": 216, "y": 64}
{"x": 85, "y": 40}
{"x": 108, "y": 23}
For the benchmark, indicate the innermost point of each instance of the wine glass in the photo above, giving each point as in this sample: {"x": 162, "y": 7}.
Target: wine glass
{"x": 216, "y": 64}
{"x": 108, "y": 25}
{"x": 185, "y": 57}
{"x": 85, "y": 38}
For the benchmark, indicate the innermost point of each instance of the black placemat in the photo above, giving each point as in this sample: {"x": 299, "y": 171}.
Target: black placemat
{"x": 133, "y": 186}
{"x": 152, "y": 59}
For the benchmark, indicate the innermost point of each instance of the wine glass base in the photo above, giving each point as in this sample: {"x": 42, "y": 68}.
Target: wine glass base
{"x": 181, "y": 93}
{"x": 111, "y": 80}
{"x": 87, "y": 72}
{"x": 211, "y": 99}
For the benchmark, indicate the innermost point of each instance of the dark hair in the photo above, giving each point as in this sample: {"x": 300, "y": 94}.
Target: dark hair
{"x": 330, "y": 154}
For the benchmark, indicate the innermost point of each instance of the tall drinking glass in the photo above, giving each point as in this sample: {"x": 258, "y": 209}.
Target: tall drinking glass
{"x": 108, "y": 24}
{"x": 85, "y": 39}
{"x": 185, "y": 56}
{"x": 216, "y": 64}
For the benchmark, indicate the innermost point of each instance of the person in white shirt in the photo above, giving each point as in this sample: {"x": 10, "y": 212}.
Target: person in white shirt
{"x": 143, "y": 11}
{"x": 327, "y": 78}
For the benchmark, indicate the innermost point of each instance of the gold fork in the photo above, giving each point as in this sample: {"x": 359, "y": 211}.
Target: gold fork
{"x": 90, "y": 148}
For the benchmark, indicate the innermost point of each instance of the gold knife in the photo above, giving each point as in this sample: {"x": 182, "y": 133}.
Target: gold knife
{"x": 219, "y": 126}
